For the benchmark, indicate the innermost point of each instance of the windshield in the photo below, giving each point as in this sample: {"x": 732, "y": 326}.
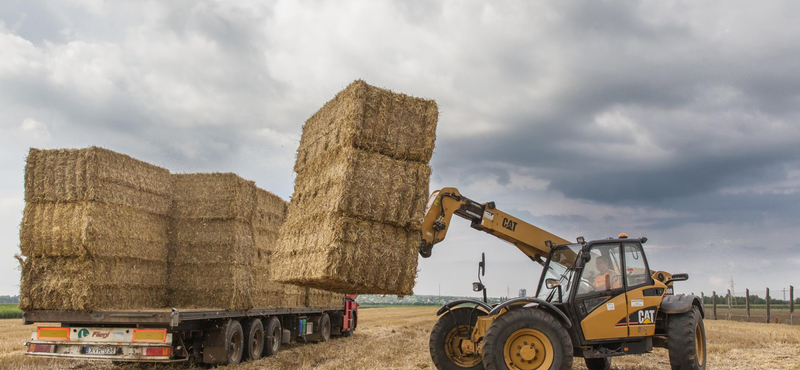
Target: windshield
{"x": 560, "y": 267}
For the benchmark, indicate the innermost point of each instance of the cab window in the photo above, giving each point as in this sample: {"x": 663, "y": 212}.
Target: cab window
{"x": 602, "y": 272}
{"x": 636, "y": 273}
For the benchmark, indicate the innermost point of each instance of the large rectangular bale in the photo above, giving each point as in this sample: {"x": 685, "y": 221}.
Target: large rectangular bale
{"x": 373, "y": 119}
{"x": 346, "y": 254}
{"x": 96, "y": 174}
{"x": 93, "y": 228}
{"x": 211, "y": 241}
{"x": 92, "y": 284}
{"x": 207, "y": 196}
{"x": 318, "y": 298}
{"x": 211, "y": 285}
{"x": 364, "y": 184}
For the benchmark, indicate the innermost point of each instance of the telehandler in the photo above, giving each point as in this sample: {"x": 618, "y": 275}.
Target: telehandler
{"x": 595, "y": 299}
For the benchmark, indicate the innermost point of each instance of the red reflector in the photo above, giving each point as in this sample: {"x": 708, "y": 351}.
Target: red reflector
{"x": 46, "y": 348}
{"x": 158, "y": 351}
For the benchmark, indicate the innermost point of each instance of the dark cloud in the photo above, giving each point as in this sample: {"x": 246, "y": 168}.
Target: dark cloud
{"x": 676, "y": 120}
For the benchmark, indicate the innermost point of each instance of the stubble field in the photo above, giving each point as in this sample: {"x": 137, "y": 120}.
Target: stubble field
{"x": 397, "y": 339}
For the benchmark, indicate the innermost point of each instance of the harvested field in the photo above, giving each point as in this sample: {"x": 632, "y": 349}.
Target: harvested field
{"x": 397, "y": 339}
{"x": 360, "y": 192}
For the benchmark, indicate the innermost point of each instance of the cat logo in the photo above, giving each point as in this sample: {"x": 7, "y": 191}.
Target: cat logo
{"x": 508, "y": 224}
{"x": 646, "y": 316}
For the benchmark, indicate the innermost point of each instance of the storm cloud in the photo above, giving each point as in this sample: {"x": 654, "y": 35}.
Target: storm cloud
{"x": 677, "y": 120}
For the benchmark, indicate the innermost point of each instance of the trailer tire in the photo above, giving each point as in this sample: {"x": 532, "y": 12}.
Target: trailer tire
{"x": 234, "y": 342}
{"x": 324, "y": 328}
{"x": 273, "y": 334}
{"x": 254, "y": 339}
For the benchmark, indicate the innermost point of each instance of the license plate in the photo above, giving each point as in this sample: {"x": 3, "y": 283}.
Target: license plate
{"x": 101, "y": 350}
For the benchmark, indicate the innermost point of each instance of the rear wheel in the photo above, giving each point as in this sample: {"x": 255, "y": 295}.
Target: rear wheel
{"x": 234, "y": 342}
{"x": 598, "y": 363}
{"x": 686, "y": 341}
{"x": 254, "y": 339}
{"x": 324, "y": 328}
{"x": 273, "y": 337}
{"x": 527, "y": 339}
{"x": 447, "y": 336}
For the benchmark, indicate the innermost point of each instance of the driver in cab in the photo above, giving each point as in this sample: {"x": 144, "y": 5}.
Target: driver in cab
{"x": 607, "y": 279}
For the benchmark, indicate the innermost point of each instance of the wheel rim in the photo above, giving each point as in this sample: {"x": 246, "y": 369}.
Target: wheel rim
{"x": 257, "y": 344}
{"x": 699, "y": 344}
{"x": 235, "y": 347}
{"x": 452, "y": 348}
{"x": 528, "y": 349}
{"x": 276, "y": 339}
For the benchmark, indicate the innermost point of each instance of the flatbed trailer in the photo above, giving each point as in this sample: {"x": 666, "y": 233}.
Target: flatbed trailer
{"x": 195, "y": 336}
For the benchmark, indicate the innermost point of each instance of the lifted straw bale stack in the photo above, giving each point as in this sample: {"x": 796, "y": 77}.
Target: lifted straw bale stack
{"x": 94, "y": 231}
{"x": 360, "y": 192}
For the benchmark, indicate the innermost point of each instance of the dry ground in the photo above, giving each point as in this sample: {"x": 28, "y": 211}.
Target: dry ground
{"x": 397, "y": 338}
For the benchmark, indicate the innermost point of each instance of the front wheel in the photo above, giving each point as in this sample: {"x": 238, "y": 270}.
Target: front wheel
{"x": 686, "y": 341}
{"x": 527, "y": 339}
{"x": 447, "y": 336}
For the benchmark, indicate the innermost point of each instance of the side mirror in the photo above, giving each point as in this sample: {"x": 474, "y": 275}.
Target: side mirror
{"x": 677, "y": 277}
{"x": 482, "y": 265}
{"x": 586, "y": 256}
{"x": 551, "y": 283}
{"x": 477, "y": 287}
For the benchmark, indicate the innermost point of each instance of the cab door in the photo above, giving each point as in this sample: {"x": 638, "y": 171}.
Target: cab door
{"x": 601, "y": 303}
{"x": 644, "y": 293}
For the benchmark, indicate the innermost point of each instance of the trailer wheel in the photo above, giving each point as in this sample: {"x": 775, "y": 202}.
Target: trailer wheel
{"x": 254, "y": 339}
{"x": 274, "y": 335}
{"x": 234, "y": 342}
{"x": 324, "y": 328}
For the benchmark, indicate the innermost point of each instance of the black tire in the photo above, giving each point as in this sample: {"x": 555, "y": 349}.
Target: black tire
{"x": 598, "y": 363}
{"x": 254, "y": 339}
{"x": 324, "y": 328}
{"x": 445, "y": 330}
{"x": 273, "y": 336}
{"x": 686, "y": 341}
{"x": 234, "y": 342}
{"x": 524, "y": 319}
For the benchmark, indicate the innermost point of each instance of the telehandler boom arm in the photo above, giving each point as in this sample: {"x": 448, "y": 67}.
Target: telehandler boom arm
{"x": 446, "y": 202}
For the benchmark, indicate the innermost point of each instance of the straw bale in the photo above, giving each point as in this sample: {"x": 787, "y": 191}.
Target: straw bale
{"x": 96, "y": 174}
{"x": 366, "y": 185}
{"x": 211, "y": 285}
{"x": 88, "y": 284}
{"x": 211, "y": 241}
{"x": 221, "y": 196}
{"x": 270, "y": 212}
{"x": 94, "y": 229}
{"x": 346, "y": 255}
{"x": 318, "y": 298}
{"x": 374, "y": 119}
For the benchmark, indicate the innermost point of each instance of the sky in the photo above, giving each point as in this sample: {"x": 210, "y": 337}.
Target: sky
{"x": 674, "y": 120}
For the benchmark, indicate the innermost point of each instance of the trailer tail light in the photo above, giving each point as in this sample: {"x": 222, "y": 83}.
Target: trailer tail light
{"x": 158, "y": 351}
{"x": 42, "y": 348}
{"x": 52, "y": 333}
{"x": 149, "y": 335}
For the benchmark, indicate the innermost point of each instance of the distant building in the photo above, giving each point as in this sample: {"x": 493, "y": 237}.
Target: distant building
{"x": 523, "y": 292}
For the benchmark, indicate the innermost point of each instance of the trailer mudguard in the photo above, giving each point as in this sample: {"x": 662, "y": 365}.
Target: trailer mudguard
{"x": 681, "y": 303}
{"x": 457, "y": 302}
{"x": 534, "y": 303}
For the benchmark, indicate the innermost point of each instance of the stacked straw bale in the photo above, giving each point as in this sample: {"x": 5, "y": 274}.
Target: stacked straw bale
{"x": 323, "y": 299}
{"x": 94, "y": 231}
{"x": 360, "y": 192}
{"x": 212, "y": 249}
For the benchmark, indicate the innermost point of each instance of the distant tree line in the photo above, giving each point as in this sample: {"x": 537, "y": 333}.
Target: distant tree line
{"x": 9, "y": 299}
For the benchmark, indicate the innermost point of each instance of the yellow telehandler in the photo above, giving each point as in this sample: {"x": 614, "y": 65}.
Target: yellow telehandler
{"x": 596, "y": 299}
